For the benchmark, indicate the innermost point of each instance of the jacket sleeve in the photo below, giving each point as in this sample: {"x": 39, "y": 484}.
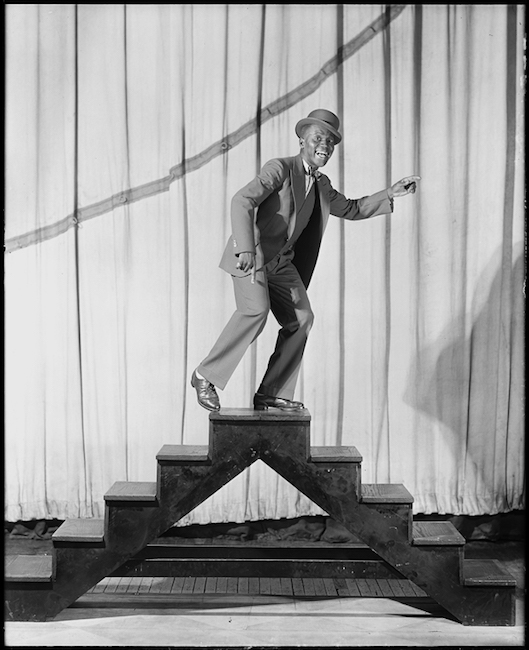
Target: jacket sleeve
{"x": 356, "y": 209}
{"x": 248, "y": 198}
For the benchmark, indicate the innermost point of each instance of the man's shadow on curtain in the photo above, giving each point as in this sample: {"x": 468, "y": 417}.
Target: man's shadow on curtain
{"x": 463, "y": 380}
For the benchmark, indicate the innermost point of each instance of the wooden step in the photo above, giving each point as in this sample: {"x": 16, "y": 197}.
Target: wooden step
{"x": 486, "y": 573}
{"x": 443, "y": 545}
{"x": 238, "y": 416}
{"x": 279, "y": 436}
{"x": 184, "y": 454}
{"x": 491, "y": 594}
{"x": 436, "y": 533}
{"x": 29, "y": 568}
{"x": 341, "y": 468}
{"x": 335, "y": 455}
{"x": 75, "y": 531}
{"x": 385, "y": 493}
{"x": 131, "y": 515}
{"x": 179, "y": 468}
{"x": 131, "y": 492}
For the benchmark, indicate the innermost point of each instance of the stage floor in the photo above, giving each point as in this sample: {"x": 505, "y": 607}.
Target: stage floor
{"x": 257, "y": 621}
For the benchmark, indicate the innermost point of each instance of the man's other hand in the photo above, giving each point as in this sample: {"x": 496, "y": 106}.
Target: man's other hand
{"x": 246, "y": 262}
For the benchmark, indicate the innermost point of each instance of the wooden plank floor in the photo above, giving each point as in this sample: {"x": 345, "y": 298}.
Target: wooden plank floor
{"x": 292, "y": 587}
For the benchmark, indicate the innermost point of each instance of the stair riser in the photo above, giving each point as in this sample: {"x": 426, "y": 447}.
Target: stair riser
{"x": 339, "y": 479}
{"x": 227, "y": 440}
{"x": 449, "y": 558}
{"x": 130, "y": 527}
{"x": 488, "y": 606}
{"x": 256, "y": 569}
{"x": 181, "y": 488}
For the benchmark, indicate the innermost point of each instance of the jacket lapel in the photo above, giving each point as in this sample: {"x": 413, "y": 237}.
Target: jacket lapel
{"x": 298, "y": 183}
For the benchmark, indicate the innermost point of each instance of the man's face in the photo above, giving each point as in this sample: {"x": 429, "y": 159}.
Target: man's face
{"x": 317, "y": 145}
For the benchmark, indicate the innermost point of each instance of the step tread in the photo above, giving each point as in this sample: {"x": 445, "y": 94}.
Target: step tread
{"x": 241, "y": 415}
{"x": 190, "y": 453}
{"x": 132, "y": 491}
{"x": 385, "y": 493}
{"x": 29, "y": 568}
{"x": 486, "y": 573}
{"x": 335, "y": 454}
{"x": 433, "y": 533}
{"x": 80, "y": 530}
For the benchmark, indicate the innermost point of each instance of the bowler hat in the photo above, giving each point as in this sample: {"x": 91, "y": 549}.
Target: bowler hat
{"x": 324, "y": 118}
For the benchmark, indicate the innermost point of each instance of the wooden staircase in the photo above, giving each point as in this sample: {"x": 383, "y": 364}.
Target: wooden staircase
{"x": 429, "y": 554}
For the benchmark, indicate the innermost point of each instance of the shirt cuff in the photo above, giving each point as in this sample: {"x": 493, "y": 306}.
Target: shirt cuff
{"x": 390, "y": 198}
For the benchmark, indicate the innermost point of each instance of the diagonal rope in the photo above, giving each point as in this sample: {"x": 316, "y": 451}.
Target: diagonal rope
{"x": 216, "y": 149}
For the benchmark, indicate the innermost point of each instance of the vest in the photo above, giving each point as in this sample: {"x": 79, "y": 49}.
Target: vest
{"x": 307, "y": 235}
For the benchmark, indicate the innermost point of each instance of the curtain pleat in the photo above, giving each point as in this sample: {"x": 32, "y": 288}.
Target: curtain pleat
{"x": 128, "y": 130}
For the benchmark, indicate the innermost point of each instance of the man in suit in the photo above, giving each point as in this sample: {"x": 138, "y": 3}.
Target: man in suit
{"x": 278, "y": 220}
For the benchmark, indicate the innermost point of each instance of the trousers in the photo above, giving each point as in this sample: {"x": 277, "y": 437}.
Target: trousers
{"x": 277, "y": 288}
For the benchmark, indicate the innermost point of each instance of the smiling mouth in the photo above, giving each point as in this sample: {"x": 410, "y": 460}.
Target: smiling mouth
{"x": 322, "y": 154}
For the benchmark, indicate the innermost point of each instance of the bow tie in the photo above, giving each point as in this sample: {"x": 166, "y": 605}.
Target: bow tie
{"x": 313, "y": 172}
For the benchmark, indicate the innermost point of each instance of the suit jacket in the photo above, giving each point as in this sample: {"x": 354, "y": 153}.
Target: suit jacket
{"x": 278, "y": 194}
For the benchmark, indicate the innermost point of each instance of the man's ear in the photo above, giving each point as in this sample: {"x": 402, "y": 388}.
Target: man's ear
{"x": 301, "y": 143}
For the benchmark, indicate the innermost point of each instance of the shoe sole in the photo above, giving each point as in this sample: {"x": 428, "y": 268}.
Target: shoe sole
{"x": 207, "y": 407}
{"x": 213, "y": 410}
{"x": 276, "y": 408}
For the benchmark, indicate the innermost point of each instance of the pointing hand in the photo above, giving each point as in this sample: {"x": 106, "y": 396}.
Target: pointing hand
{"x": 406, "y": 185}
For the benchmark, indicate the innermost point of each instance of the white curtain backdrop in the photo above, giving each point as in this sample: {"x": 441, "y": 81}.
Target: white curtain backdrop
{"x": 128, "y": 130}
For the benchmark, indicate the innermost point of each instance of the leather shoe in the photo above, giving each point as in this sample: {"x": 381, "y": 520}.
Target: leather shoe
{"x": 206, "y": 394}
{"x": 264, "y": 402}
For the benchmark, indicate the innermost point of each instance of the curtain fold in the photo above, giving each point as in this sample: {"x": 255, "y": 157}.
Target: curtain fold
{"x": 128, "y": 130}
